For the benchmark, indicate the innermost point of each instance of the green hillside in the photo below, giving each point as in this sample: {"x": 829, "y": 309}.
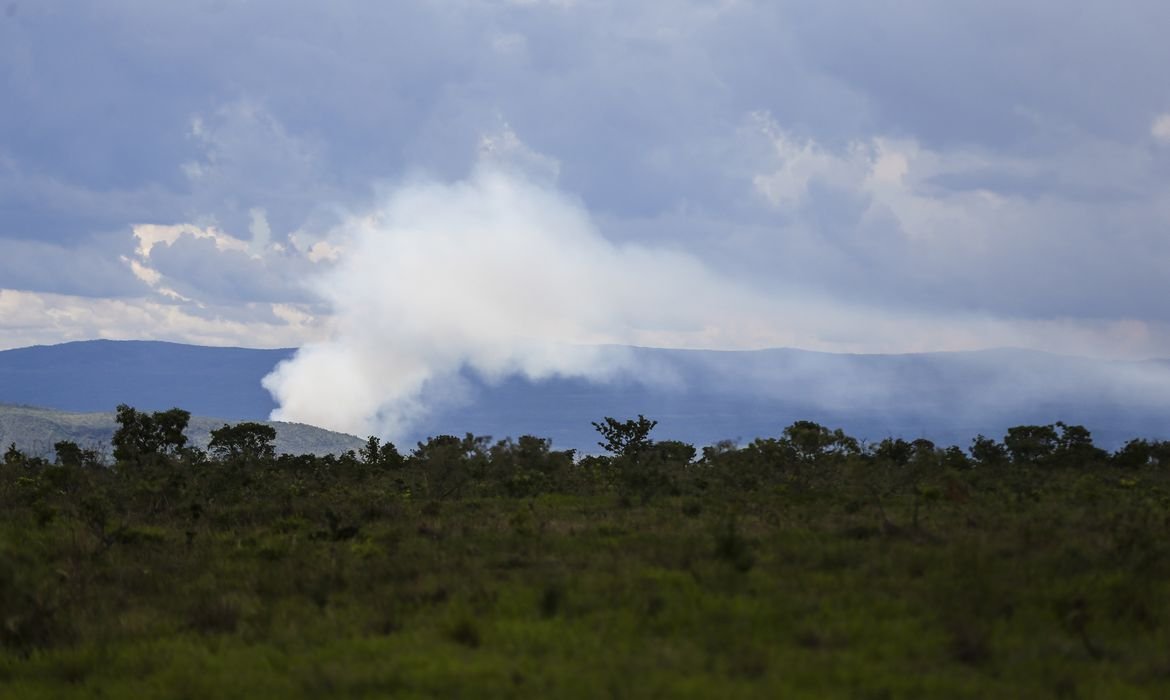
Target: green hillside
{"x": 36, "y": 430}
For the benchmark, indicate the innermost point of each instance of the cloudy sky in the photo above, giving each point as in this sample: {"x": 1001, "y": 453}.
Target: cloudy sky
{"x": 848, "y": 176}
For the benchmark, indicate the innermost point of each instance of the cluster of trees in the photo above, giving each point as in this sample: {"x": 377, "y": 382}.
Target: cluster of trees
{"x": 153, "y": 447}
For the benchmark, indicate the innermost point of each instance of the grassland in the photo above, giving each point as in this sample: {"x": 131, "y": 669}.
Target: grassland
{"x": 834, "y": 576}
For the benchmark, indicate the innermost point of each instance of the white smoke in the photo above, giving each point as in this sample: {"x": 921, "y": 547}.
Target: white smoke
{"x": 501, "y": 274}
{"x": 498, "y": 274}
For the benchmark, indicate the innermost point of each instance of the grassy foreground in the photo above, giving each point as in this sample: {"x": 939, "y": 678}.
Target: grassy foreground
{"x": 1060, "y": 593}
{"x": 805, "y": 566}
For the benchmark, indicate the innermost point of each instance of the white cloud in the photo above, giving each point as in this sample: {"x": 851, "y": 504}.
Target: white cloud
{"x": 151, "y": 235}
{"x": 503, "y": 149}
{"x": 964, "y": 228}
{"x": 1160, "y": 128}
{"x": 801, "y": 162}
{"x": 31, "y": 318}
{"x": 204, "y": 265}
{"x": 261, "y": 233}
{"x": 146, "y": 274}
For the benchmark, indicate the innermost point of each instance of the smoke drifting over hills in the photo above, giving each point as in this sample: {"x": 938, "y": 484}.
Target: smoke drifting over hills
{"x": 499, "y": 274}
{"x": 444, "y": 286}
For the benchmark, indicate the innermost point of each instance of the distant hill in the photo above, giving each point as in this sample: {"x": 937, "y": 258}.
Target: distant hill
{"x": 697, "y": 396}
{"x": 97, "y": 375}
{"x": 36, "y": 430}
{"x": 949, "y": 397}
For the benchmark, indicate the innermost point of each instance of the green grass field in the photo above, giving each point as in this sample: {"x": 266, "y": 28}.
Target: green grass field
{"x": 841, "y": 579}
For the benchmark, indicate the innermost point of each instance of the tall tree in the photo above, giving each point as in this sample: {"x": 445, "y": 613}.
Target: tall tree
{"x": 247, "y": 441}
{"x": 141, "y": 436}
{"x": 625, "y": 438}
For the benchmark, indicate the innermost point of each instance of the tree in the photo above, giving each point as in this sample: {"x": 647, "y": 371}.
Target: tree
{"x": 1140, "y": 453}
{"x": 1031, "y": 444}
{"x": 170, "y": 426}
{"x": 141, "y": 436}
{"x": 370, "y": 451}
{"x": 922, "y": 448}
{"x": 625, "y": 438}
{"x": 1059, "y": 444}
{"x": 13, "y": 457}
{"x": 894, "y": 450}
{"x": 447, "y": 463}
{"x": 673, "y": 453}
{"x": 389, "y": 457}
{"x": 747, "y": 468}
{"x": 987, "y": 452}
{"x": 248, "y": 442}
{"x": 953, "y": 457}
{"x": 1075, "y": 448}
{"x": 1135, "y": 454}
{"x": 811, "y": 440}
{"x": 376, "y": 453}
{"x": 70, "y": 454}
{"x": 638, "y": 471}
{"x": 528, "y": 466}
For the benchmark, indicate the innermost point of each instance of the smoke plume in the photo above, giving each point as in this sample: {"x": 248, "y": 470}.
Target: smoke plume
{"x": 499, "y": 274}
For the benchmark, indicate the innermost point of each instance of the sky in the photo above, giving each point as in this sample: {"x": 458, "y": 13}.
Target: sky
{"x": 490, "y": 183}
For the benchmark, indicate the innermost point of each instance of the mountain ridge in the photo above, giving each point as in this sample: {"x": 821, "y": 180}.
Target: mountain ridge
{"x": 700, "y": 396}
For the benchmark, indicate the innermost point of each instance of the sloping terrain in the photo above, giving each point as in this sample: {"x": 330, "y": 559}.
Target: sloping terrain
{"x": 36, "y": 430}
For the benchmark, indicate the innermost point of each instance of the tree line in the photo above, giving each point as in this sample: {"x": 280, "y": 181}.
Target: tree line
{"x": 152, "y": 450}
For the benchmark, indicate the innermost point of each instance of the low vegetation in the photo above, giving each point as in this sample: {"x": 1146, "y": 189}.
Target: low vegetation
{"x": 802, "y": 565}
